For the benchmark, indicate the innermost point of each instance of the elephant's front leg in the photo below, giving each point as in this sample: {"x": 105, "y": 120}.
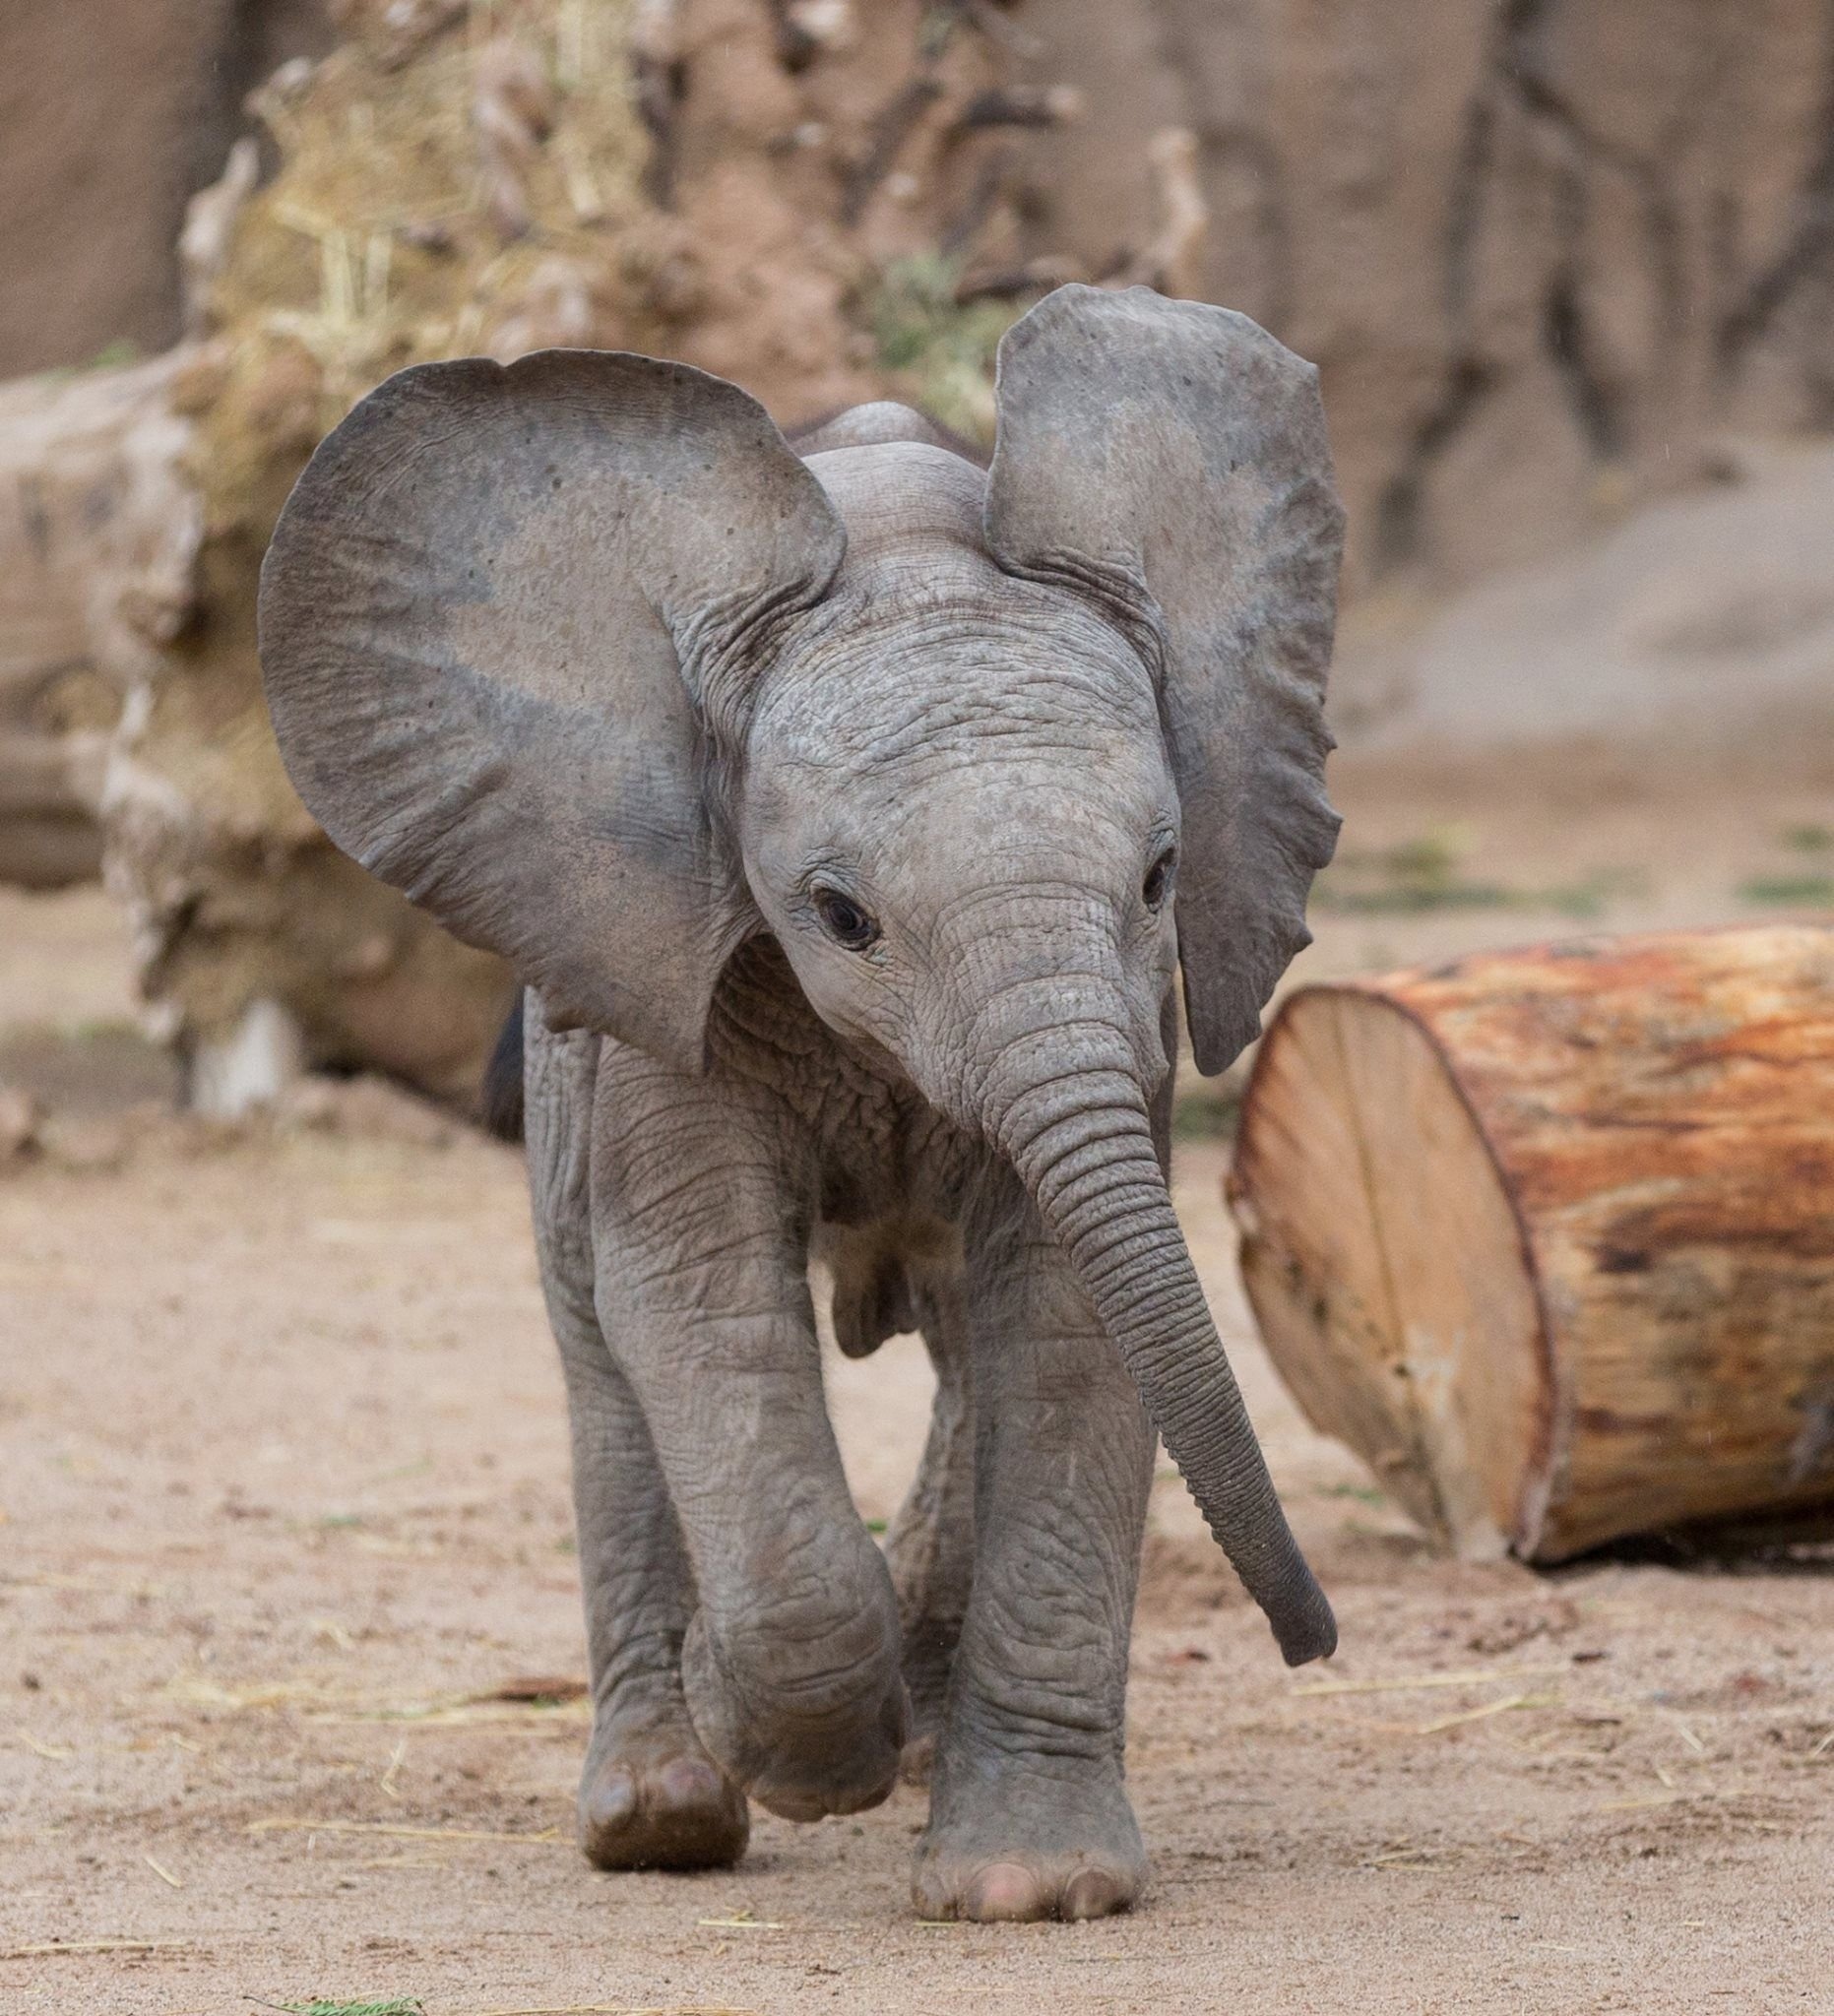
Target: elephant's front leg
{"x": 650, "y": 1795}
{"x": 651, "y": 1798}
{"x": 791, "y": 1664}
{"x": 1029, "y": 1816}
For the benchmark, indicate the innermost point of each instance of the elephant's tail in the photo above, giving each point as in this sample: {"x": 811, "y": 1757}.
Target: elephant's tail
{"x": 500, "y": 1099}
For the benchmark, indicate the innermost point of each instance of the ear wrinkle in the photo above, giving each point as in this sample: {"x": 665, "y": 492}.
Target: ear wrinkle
{"x": 724, "y": 663}
{"x": 731, "y": 906}
{"x": 728, "y": 649}
{"x": 726, "y": 654}
{"x": 1114, "y": 587}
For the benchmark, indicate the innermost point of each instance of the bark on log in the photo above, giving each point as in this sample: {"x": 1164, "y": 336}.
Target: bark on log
{"x": 99, "y": 535}
{"x": 1548, "y": 1237}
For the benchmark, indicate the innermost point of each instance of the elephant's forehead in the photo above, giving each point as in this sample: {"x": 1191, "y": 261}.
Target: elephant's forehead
{"x": 946, "y": 664}
{"x": 911, "y": 511}
{"x": 923, "y": 645}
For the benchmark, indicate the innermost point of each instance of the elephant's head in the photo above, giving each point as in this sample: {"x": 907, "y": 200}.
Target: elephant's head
{"x": 583, "y": 657}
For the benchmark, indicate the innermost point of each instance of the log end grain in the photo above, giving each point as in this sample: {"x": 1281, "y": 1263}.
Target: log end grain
{"x": 1547, "y": 1235}
{"x": 1386, "y": 1266}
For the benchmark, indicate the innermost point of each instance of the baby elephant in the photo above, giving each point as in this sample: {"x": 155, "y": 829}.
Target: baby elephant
{"x": 846, "y": 812}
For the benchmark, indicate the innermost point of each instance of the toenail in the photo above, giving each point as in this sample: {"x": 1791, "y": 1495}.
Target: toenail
{"x": 1092, "y": 1893}
{"x": 1003, "y": 1891}
{"x": 687, "y": 1782}
{"x": 613, "y": 1799}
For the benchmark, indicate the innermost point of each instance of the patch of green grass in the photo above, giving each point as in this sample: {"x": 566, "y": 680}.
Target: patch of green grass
{"x": 1421, "y": 875}
{"x": 875, "y": 1525}
{"x": 1813, "y": 892}
{"x": 1411, "y": 901}
{"x": 110, "y": 357}
{"x": 1433, "y": 857}
{"x": 1206, "y": 1110}
{"x": 1415, "y": 877}
{"x": 1588, "y": 896}
{"x": 1365, "y": 1494}
{"x": 1809, "y": 840}
{"x": 102, "y": 1028}
{"x": 397, "y": 2005}
{"x": 942, "y": 348}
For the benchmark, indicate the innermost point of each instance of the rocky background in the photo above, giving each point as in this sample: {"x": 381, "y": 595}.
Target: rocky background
{"x": 1555, "y": 260}
{"x": 1546, "y": 253}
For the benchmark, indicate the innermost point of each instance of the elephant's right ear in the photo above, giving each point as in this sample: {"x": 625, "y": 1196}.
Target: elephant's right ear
{"x": 490, "y": 609}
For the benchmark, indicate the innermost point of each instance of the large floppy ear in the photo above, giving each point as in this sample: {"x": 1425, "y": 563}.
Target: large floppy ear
{"x": 1169, "y": 459}
{"x": 492, "y": 606}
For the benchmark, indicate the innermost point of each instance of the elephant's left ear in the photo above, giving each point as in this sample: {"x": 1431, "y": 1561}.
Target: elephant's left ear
{"x": 1169, "y": 459}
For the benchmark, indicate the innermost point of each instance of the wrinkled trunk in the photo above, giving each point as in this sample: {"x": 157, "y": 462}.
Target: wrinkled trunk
{"x": 1083, "y": 1146}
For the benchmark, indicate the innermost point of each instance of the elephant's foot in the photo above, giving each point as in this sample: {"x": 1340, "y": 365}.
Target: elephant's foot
{"x": 802, "y": 1745}
{"x": 654, "y": 1799}
{"x": 1030, "y": 1846}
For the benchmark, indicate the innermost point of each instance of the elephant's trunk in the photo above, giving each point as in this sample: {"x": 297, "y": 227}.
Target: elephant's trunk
{"x": 1083, "y": 1144}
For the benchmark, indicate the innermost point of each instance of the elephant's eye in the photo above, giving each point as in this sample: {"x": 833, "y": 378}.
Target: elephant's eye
{"x": 1158, "y": 884}
{"x": 842, "y": 920}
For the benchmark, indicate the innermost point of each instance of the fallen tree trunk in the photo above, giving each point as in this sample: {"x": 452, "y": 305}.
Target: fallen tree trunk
{"x": 1548, "y": 1237}
{"x": 131, "y": 723}
{"x": 98, "y": 533}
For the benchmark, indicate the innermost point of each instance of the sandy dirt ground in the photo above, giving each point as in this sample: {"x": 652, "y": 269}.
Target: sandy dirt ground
{"x": 284, "y": 1487}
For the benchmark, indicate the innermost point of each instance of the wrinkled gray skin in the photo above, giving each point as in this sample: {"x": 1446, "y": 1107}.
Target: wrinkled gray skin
{"x": 847, "y": 816}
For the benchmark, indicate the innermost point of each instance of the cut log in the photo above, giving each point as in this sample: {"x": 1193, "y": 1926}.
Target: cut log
{"x": 98, "y": 532}
{"x": 1548, "y": 1237}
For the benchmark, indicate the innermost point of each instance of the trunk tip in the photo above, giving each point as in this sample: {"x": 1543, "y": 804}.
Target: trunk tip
{"x": 1305, "y": 1629}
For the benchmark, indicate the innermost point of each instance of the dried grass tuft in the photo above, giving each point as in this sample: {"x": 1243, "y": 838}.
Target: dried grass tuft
{"x": 1402, "y": 1683}
{"x": 46, "y": 1949}
{"x": 1489, "y": 1708}
{"x": 286, "y": 1823}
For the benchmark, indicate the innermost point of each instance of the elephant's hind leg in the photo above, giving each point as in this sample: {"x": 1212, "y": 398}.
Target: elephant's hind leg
{"x": 650, "y": 1795}
{"x": 931, "y": 1548}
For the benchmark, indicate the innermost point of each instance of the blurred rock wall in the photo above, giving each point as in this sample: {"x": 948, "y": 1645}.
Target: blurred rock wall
{"x": 112, "y": 112}
{"x": 1546, "y": 251}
